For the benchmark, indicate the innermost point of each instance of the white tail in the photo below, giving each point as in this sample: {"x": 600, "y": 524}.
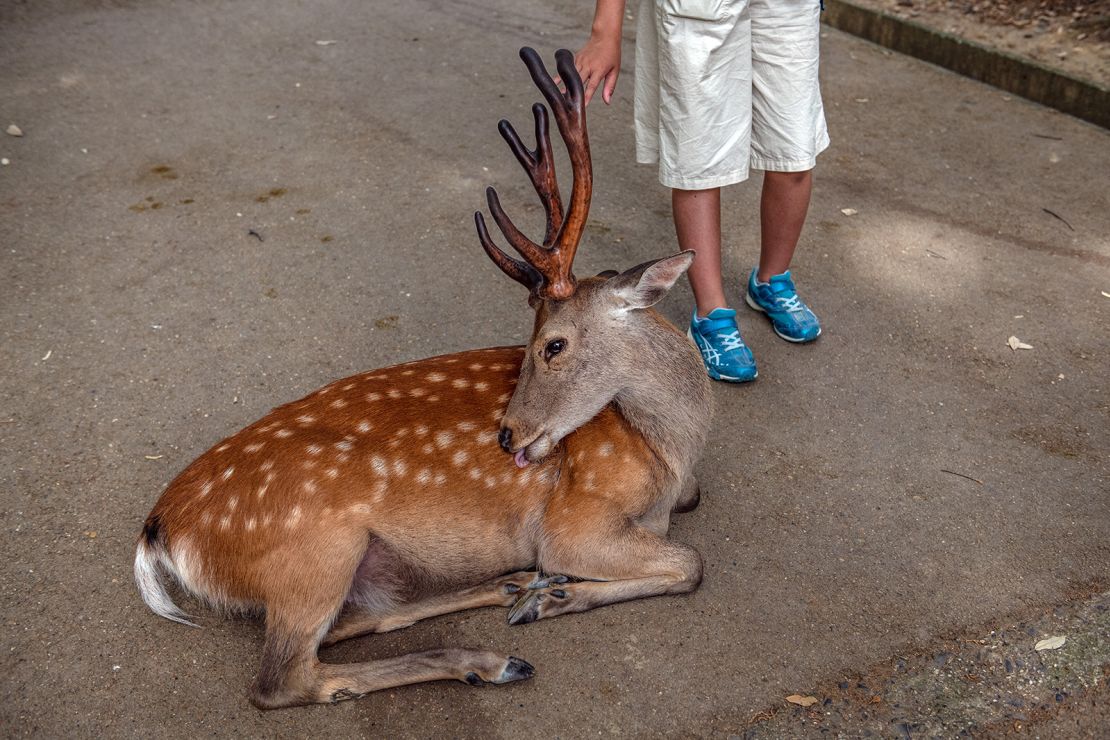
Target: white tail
{"x": 389, "y": 497}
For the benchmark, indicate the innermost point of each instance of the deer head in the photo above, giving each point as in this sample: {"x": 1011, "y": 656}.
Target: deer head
{"x": 588, "y": 339}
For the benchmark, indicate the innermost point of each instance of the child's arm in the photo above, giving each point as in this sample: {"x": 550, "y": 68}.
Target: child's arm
{"x": 599, "y": 61}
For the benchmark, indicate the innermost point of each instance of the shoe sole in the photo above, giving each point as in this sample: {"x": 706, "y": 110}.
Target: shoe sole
{"x": 713, "y": 374}
{"x": 748, "y": 299}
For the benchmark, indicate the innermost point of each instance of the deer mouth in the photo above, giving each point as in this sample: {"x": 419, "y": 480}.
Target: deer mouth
{"x": 534, "y": 451}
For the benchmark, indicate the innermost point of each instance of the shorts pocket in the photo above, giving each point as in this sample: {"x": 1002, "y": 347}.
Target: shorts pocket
{"x": 698, "y": 10}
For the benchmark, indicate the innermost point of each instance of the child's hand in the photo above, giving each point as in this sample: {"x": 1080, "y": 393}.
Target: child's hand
{"x": 599, "y": 64}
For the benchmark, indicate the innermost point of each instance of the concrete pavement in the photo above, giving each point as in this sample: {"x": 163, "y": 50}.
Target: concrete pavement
{"x": 141, "y": 322}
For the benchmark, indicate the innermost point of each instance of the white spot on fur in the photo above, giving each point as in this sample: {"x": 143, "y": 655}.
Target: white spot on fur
{"x": 267, "y": 519}
{"x": 314, "y": 449}
{"x": 254, "y": 447}
{"x": 338, "y": 403}
{"x": 466, "y": 426}
{"x": 309, "y": 486}
{"x": 428, "y": 449}
{"x": 308, "y": 465}
{"x": 486, "y": 437}
{"x": 460, "y": 457}
{"x": 359, "y": 509}
{"x": 377, "y": 493}
{"x": 225, "y": 522}
{"x": 283, "y": 433}
{"x": 232, "y": 503}
{"x": 348, "y": 387}
{"x": 363, "y": 427}
{"x": 249, "y": 524}
{"x": 475, "y": 473}
{"x": 435, "y": 377}
{"x": 373, "y": 397}
{"x": 417, "y": 392}
{"x": 421, "y": 431}
{"x": 293, "y": 518}
{"x": 342, "y": 457}
{"x": 440, "y": 479}
{"x": 262, "y": 490}
{"x": 206, "y": 489}
{"x": 267, "y": 465}
{"x": 399, "y": 466}
{"x": 489, "y": 481}
{"x": 227, "y": 473}
{"x": 408, "y": 372}
{"x": 393, "y": 393}
{"x": 206, "y": 518}
{"x": 504, "y": 398}
{"x": 481, "y": 386}
{"x": 423, "y": 476}
{"x": 606, "y": 449}
{"x": 379, "y": 466}
{"x": 221, "y": 448}
{"x": 344, "y": 445}
{"x": 444, "y": 438}
{"x": 460, "y": 383}
{"x": 433, "y": 398}
{"x": 477, "y": 366}
{"x": 332, "y": 473}
{"x": 305, "y": 419}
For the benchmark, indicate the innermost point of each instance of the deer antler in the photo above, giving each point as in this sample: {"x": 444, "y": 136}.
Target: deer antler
{"x": 546, "y": 268}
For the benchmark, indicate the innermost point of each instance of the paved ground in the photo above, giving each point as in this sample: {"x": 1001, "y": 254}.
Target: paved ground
{"x": 141, "y": 323}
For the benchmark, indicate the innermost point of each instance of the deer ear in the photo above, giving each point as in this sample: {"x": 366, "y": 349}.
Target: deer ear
{"x": 645, "y": 285}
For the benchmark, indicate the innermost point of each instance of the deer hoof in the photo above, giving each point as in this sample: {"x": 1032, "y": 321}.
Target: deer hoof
{"x": 526, "y": 609}
{"x": 543, "y": 581}
{"x": 516, "y": 670}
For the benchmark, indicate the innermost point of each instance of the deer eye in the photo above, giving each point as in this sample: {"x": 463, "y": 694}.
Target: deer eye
{"x": 554, "y": 347}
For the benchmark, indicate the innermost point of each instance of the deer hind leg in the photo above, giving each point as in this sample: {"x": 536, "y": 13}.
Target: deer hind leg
{"x": 291, "y": 673}
{"x": 502, "y": 591}
{"x": 630, "y": 563}
{"x": 690, "y": 497}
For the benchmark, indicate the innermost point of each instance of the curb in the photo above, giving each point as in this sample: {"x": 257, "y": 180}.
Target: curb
{"x": 1011, "y": 73}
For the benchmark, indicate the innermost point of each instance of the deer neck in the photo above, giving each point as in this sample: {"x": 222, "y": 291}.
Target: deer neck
{"x": 669, "y": 400}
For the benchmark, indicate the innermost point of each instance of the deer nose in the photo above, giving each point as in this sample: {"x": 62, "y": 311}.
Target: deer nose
{"x": 505, "y": 439}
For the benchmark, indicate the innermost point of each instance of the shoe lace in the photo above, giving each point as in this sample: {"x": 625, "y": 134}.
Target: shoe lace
{"x": 791, "y": 304}
{"x": 730, "y": 341}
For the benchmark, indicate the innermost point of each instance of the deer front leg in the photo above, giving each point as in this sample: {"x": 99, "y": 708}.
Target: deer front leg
{"x": 502, "y": 591}
{"x": 627, "y": 565}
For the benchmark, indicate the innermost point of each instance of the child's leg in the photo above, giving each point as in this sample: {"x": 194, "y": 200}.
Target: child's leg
{"x": 782, "y": 213}
{"x": 697, "y": 222}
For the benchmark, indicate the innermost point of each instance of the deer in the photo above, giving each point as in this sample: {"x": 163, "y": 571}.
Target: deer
{"x": 539, "y": 478}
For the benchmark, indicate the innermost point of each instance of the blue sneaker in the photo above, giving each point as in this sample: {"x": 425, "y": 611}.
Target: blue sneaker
{"x": 724, "y": 352}
{"x": 791, "y": 319}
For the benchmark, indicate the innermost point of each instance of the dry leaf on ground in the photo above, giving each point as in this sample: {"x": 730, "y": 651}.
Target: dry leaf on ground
{"x": 1016, "y": 344}
{"x": 14, "y": 130}
{"x": 802, "y": 701}
{"x": 849, "y": 211}
{"x": 1050, "y": 643}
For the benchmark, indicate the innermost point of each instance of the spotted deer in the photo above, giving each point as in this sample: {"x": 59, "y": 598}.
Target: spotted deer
{"x": 540, "y": 478}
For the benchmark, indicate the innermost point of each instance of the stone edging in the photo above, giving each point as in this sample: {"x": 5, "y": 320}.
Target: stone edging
{"x": 1036, "y": 82}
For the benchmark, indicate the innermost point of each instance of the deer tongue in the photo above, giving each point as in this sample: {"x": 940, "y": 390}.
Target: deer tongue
{"x": 519, "y": 458}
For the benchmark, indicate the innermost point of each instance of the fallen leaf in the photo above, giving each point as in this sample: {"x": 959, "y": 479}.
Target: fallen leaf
{"x": 802, "y": 701}
{"x": 153, "y": 457}
{"x": 326, "y": 42}
{"x": 1016, "y": 344}
{"x": 849, "y": 211}
{"x": 5, "y": 161}
{"x": 47, "y": 355}
{"x": 1050, "y": 643}
{"x": 14, "y": 130}
{"x": 862, "y": 100}
{"x": 1105, "y": 294}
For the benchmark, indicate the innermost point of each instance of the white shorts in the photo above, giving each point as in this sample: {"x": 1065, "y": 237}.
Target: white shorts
{"x": 725, "y": 86}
